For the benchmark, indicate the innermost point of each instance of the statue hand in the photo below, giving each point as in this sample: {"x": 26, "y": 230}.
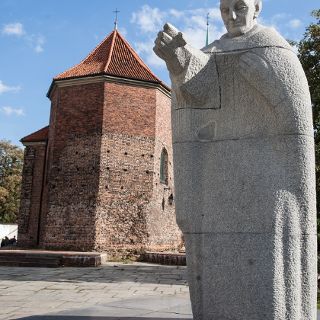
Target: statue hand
{"x": 167, "y": 46}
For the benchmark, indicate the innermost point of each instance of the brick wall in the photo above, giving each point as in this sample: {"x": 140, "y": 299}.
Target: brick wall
{"x": 164, "y": 233}
{"x": 130, "y": 214}
{"x": 32, "y": 178}
{"x": 102, "y": 186}
{"x": 73, "y": 167}
{"x": 126, "y": 171}
{"x": 129, "y": 110}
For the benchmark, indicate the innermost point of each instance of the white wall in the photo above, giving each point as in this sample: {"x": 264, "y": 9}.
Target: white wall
{"x": 8, "y": 230}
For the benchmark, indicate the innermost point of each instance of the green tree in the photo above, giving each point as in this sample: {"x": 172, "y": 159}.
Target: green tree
{"x": 11, "y": 163}
{"x": 309, "y": 56}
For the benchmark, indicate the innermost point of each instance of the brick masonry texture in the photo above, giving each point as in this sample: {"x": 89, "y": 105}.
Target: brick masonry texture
{"x": 102, "y": 188}
{"x": 32, "y": 178}
{"x": 126, "y": 175}
{"x": 162, "y": 225}
{"x": 73, "y": 167}
{"x": 129, "y": 109}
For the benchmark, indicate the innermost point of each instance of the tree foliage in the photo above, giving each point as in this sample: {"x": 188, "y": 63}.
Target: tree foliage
{"x": 309, "y": 56}
{"x": 11, "y": 163}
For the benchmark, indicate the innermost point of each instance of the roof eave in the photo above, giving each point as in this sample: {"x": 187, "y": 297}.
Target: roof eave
{"x": 34, "y": 143}
{"x": 103, "y": 74}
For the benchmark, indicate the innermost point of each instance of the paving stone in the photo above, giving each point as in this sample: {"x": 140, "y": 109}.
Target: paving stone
{"x": 60, "y": 298}
{"x": 31, "y": 291}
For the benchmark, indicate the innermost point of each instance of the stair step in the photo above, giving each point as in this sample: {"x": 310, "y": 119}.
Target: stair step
{"x": 166, "y": 258}
{"x": 15, "y": 263}
{"x": 54, "y": 259}
{"x": 3, "y": 257}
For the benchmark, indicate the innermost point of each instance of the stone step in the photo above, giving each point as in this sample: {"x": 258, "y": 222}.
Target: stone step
{"x": 30, "y": 256}
{"x": 166, "y": 258}
{"x": 42, "y": 258}
{"x": 29, "y": 261}
{"x": 38, "y": 264}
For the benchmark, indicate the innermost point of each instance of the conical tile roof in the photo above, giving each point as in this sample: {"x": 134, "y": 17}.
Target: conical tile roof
{"x": 113, "y": 56}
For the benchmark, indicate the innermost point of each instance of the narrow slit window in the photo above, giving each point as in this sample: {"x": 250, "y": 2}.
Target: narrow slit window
{"x": 164, "y": 166}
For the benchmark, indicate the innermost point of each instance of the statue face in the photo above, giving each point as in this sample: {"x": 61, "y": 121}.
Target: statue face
{"x": 239, "y": 16}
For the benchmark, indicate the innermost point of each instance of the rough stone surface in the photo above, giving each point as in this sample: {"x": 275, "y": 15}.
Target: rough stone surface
{"x": 244, "y": 172}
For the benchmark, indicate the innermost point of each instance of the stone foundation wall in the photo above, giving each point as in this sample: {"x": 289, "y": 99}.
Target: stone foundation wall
{"x": 73, "y": 185}
{"x": 126, "y": 174}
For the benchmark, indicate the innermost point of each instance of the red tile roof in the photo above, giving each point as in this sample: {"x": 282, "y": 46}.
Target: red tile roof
{"x": 38, "y": 136}
{"x": 113, "y": 56}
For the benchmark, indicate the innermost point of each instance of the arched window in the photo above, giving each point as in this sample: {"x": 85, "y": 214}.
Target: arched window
{"x": 164, "y": 166}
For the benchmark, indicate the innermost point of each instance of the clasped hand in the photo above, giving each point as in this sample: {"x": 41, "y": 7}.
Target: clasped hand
{"x": 169, "y": 45}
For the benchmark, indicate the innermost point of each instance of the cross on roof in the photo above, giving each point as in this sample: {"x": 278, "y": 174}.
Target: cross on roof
{"x": 116, "y": 20}
{"x": 207, "y": 36}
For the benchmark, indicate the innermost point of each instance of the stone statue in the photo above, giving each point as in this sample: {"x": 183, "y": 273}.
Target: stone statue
{"x": 244, "y": 170}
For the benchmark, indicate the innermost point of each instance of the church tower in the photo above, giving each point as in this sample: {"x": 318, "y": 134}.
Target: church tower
{"x": 105, "y": 176}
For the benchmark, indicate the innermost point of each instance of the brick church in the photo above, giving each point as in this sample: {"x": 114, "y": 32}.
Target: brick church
{"x": 100, "y": 176}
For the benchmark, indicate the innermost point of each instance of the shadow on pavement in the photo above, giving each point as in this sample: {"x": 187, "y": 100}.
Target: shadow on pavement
{"x": 92, "y": 318}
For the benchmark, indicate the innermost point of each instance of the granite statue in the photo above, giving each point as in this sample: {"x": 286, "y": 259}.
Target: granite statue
{"x": 244, "y": 170}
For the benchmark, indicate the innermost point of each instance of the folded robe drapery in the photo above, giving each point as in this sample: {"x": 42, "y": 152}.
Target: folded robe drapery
{"x": 244, "y": 179}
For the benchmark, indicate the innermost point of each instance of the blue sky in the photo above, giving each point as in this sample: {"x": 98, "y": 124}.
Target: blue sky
{"x": 41, "y": 38}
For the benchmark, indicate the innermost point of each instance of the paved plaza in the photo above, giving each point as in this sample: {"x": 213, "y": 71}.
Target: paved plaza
{"x": 135, "y": 291}
{"x": 112, "y": 291}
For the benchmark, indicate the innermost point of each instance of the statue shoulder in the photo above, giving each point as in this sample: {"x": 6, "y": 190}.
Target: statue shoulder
{"x": 269, "y": 37}
{"x": 259, "y": 37}
{"x": 212, "y": 47}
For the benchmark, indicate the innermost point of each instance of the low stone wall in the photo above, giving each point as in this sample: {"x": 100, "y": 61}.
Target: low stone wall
{"x": 166, "y": 258}
{"x": 53, "y": 259}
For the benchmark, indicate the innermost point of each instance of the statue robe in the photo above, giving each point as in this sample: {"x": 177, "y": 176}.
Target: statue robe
{"x": 245, "y": 180}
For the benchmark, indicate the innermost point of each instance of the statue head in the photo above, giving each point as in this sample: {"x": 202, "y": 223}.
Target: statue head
{"x": 239, "y": 16}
